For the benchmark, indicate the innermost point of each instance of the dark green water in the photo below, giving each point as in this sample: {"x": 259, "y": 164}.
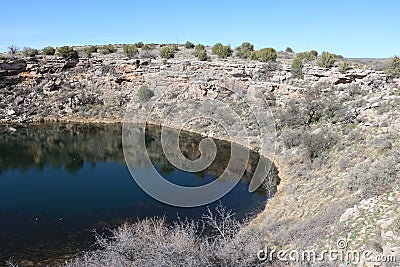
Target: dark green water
{"x": 59, "y": 183}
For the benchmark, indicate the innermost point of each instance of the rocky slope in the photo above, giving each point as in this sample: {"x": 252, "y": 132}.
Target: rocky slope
{"x": 338, "y": 190}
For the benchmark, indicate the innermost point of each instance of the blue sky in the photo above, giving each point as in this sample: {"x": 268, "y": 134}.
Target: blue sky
{"x": 353, "y": 28}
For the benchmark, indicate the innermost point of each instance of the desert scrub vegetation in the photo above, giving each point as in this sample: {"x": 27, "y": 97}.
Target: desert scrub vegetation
{"x": 107, "y": 49}
{"x": 393, "y": 68}
{"x": 67, "y": 52}
{"x": 153, "y": 242}
{"x": 130, "y": 50}
{"x": 189, "y": 45}
{"x": 144, "y": 93}
{"x": 289, "y": 50}
{"x": 200, "y": 52}
{"x": 222, "y": 51}
{"x": 326, "y": 60}
{"x": 12, "y": 49}
{"x": 87, "y": 51}
{"x": 49, "y": 50}
{"x": 264, "y": 55}
{"x": 344, "y": 66}
{"x": 30, "y": 52}
{"x": 307, "y": 56}
{"x": 370, "y": 179}
{"x": 297, "y": 68}
{"x": 245, "y": 50}
{"x": 168, "y": 51}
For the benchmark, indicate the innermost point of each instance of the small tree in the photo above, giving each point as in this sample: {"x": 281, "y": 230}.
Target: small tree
{"x": 30, "y": 52}
{"x": 108, "y": 49}
{"x": 222, "y": 51}
{"x": 89, "y": 50}
{"x": 49, "y": 50}
{"x": 189, "y": 45}
{"x": 139, "y": 44}
{"x": 297, "y": 68}
{"x": 244, "y": 50}
{"x": 264, "y": 55}
{"x": 67, "y": 52}
{"x": 145, "y": 47}
{"x": 202, "y": 55}
{"x": 344, "y": 66}
{"x": 167, "y": 52}
{"x": 130, "y": 50}
{"x": 393, "y": 68}
{"x": 326, "y": 60}
{"x": 314, "y": 53}
{"x": 12, "y": 49}
{"x": 144, "y": 93}
{"x": 289, "y": 50}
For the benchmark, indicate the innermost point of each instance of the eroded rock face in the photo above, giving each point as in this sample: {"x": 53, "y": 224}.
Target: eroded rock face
{"x": 48, "y": 87}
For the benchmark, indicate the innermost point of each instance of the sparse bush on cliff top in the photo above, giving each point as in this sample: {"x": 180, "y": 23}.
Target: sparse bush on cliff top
{"x": 107, "y": 49}
{"x": 130, "y": 50}
{"x": 289, "y": 50}
{"x": 139, "y": 44}
{"x": 326, "y": 60}
{"x": 167, "y": 52}
{"x": 67, "y": 52}
{"x": 344, "y": 66}
{"x": 189, "y": 45}
{"x": 393, "y": 68}
{"x": 89, "y": 50}
{"x": 144, "y": 93}
{"x": 297, "y": 68}
{"x": 244, "y": 50}
{"x": 222, "y": 51}
{"x": 200, "y": 52}
{"x": 49, "y": 50}
{"x": 12, "y": 49}
{"x": 264, "y": 54}
{"x": 30, "y": 52}
{"x": 307, "y": 56}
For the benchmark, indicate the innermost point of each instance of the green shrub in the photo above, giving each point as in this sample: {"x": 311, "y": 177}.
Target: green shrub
{"x": 393, "y": 68}
{"x": 67, "y": 52}
{"x": 297, "y": 68}
{"x": 289, "y": 50}
{"x": 344, "y": 66}
{"x": 144, "y": 93}
{"x": 49, "y": 50}
{"x": 167, "y": 52}
{"x": 30, "y": 52}
{"x": 130, "y": 50}
{"x": 306, "y": 56}
{"x": 189, "y": 45}
{"x": 89, "y": 50}
{"x": 199, "y": 47}
{"x": 202, "y": 55}
{"x": 139, "y": 44}
{"x": 244, "y": 50}
{"x": 326, "y": 60}
{"x": 200, "y": 52}
{"x": 222, "y": 51}
{"x": 146, "y": 47}
{"x": 314, "y": 53}
{"x": 108, "y": 49}
{"x": 264, "y": 55}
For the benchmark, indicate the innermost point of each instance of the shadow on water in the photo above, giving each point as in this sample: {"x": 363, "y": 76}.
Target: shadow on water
{"x": 60, "y": 182}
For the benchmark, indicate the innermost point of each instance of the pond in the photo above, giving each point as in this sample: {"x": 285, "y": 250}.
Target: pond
{"x": 61, "y": 182}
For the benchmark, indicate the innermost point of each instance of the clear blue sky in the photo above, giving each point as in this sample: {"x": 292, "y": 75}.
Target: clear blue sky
{"x": 353, "y": 28}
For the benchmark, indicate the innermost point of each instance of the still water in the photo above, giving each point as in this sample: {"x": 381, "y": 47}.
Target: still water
{"x": 61, "y": 182}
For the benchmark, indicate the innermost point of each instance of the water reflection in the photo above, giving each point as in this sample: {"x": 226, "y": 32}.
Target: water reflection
{"x": 58, "y": 182}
